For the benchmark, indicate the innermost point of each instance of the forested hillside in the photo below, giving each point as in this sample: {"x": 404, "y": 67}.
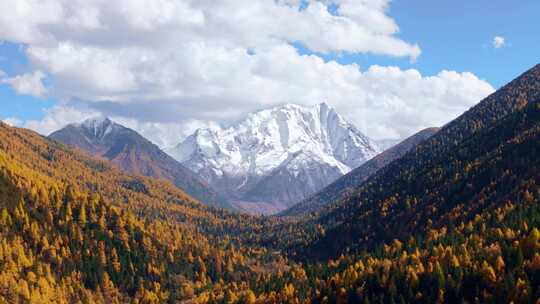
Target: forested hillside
{"x": 73, "y": 228}
{"x": 473, "y": 237}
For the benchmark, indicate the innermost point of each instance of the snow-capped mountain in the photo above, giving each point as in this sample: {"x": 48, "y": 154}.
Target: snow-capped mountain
{"x": 133, "y": 153}
{"x": 276, "y": 156}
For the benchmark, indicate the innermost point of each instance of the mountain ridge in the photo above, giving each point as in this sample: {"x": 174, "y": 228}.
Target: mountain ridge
{"x": 130, "y": 151}
{"x": 308, "y": 147}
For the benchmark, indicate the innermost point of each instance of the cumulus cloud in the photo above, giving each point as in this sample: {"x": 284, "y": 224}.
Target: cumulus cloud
{"x": 58, "y": 117}
{"x": 14, "y": 122}
{"x": 165, "y": 135}
{"x": 360, "y": 26}
{"x": 499, "y": 42}
{"x": 26, "y": 84}
{"x": 384, "y": 102}
{"x": 165, "y": 67}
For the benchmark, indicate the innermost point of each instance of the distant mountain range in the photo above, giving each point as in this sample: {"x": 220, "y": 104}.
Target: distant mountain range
{"x": 130, "y": 151}
{"x": 356, "y": 177}
{"x": 276, "y": 157}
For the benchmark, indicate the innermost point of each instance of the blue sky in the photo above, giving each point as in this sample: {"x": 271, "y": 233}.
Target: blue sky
{"x": 458, "y": 35}
{"x": 453, "y": 35}
{"x": 14, "y": 62}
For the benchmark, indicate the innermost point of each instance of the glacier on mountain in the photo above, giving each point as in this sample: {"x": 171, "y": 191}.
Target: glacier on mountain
{"x": 277, "y": 156}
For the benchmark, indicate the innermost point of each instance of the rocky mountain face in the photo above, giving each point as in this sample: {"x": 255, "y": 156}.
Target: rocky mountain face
{"x": 342, "y": 186}
{"x": 133, "y": 153}
{"x": 276, "y": 157}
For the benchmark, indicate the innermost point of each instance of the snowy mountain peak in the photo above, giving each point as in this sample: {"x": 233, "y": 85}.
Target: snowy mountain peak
{"x": 99, "y": 126}
{"x": 314, "y": 145}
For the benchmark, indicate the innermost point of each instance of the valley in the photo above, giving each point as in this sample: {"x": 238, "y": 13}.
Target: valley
{"x": 269, "y": 152}
{"x": 448, "y": 215}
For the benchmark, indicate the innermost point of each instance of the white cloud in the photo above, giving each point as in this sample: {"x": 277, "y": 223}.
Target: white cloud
{"x": 14, "y": 122}
{"x": 165, "y": 135}
{"x": 360, "y": 27}
{"x": 384, "y": 102}
{"x": 58, "y": 117}
{"x": 26, "y": 84}
{"x": 162, "y": 134}
{"x": 165, "y": 67}
{"x": 499, "y": 42}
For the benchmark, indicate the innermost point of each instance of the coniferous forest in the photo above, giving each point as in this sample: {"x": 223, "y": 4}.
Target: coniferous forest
{"x": 454, "y": 220}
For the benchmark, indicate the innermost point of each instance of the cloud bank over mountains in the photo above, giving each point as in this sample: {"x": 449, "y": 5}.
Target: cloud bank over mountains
{"x": 166, "y": 67}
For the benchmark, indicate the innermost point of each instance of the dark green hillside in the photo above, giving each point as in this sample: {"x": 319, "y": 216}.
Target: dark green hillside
{"x": 477, "y": 161}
